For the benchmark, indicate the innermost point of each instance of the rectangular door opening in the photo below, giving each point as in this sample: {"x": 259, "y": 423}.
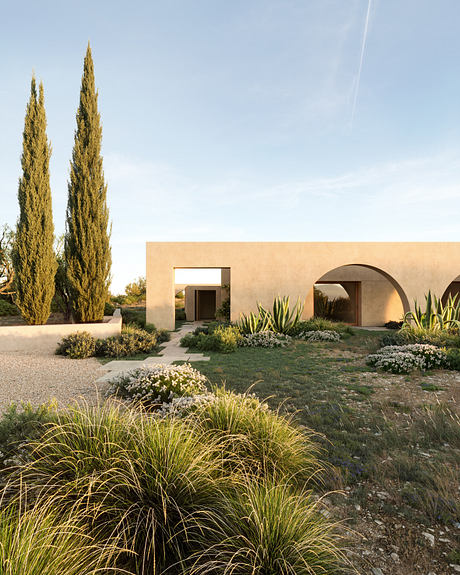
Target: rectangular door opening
{"x": 205, "y": 304}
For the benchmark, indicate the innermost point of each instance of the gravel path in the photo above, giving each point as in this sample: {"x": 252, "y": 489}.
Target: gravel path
{"x": 38, "y": 378}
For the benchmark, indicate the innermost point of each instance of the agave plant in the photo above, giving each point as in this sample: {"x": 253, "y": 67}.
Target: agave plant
{"x": 281, "y": 320}
{"x": 254, "y": 323}
{"x": 437, "y": 316}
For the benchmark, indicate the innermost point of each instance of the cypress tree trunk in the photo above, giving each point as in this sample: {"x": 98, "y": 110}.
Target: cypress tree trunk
{"x": 33, "y": 255}
{"x": 87, "y": 242}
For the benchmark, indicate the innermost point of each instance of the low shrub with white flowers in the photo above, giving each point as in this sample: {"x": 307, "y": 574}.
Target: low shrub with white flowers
{"x": 406, "y": 358}
{"x": 267, "y": 339}
{"x": 158, "y": 384}
{"x": 186, "y": 405}
{"x": 319, "y": 335}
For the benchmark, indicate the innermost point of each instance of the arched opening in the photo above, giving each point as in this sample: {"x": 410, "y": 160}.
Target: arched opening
{"x": 359, "y": 294}
{"x": 453, "y": 289}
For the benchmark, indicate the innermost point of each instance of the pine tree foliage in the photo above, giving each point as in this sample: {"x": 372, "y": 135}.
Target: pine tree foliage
{"x": 33, "y": 255}
{"x": 87, "y": 243}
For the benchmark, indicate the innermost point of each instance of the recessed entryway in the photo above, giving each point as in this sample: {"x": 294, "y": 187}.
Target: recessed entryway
{"x": 205, "y": 304}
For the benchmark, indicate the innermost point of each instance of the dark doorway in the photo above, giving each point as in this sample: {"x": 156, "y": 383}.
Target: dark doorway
{"x": 205, "y": 304}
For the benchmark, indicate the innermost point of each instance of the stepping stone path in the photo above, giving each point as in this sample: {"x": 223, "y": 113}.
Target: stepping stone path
{"x": 171, "y": 351}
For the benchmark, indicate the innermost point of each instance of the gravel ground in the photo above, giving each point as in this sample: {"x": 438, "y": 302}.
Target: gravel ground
{"x": 39, "y": 378}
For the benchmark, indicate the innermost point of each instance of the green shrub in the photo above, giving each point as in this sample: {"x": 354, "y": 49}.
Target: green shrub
{"x": 224, "y": 310}
{"x": 118, "y": 299}
{"x": 393, "y": 324}
{"x": 109, "y": 308}
{"x": 439, "y": 338}
{"x": 189, "y": 340}
{"x": 7, "y": 308}
{"x": 157, "y": 384}
{"x": 136, "y": 290}
{"x": 20, "y": 425}
{"x": 131, "y": 341}
{"x": 78, "y": 345}
{"x": 453, "y": 358}
{"x": 267, "y": 528}
{"x": 216, "y": 337}
{"x": 180, "y": 314}
{"x": 321, "y": 324}
{"x": 134, "y": 315}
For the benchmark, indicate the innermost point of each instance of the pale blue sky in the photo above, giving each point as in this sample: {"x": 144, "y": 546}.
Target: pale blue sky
{"x": 233, "y": 120}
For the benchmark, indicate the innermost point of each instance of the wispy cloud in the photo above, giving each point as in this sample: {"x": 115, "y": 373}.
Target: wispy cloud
{"x": 399, "y": 201}
{"x": 361, "y": 60}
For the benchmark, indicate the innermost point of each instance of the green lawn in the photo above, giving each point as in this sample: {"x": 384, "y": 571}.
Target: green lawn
{"x": 396, "y": 435}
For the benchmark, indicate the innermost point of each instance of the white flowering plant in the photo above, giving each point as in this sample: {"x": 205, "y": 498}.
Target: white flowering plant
{"x": 186, "y": 405}
{"x": 268, "y": 339}
{"x": 157, "y": 384}
{"x": 406, "y": 358}
{"x": 319, "y": 335}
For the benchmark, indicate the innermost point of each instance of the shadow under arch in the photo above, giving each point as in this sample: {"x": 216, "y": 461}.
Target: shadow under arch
{"x": 394, "y": 283}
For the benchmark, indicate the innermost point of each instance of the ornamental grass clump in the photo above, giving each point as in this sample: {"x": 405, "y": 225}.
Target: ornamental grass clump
{"x": 214, "y": 491}
{"x": 267, "y": 339}
{"x": 253, "y": 437}
{"x": 157, "y": 384}
{"x": 406, "y": 358}
{"x": 37, "y": 539}
{"x": 267, "y": 528}
{"x": 142, "y": 479}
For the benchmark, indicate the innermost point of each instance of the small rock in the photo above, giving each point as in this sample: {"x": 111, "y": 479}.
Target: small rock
{"x": 395, "y": 557}
{"x": 358, "y": 507}
{"x": 430, "y": 538}
{"x": 455, "y": 567}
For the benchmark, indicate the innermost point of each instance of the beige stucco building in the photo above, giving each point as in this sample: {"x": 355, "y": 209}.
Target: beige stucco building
{"x": 381, "y": 279}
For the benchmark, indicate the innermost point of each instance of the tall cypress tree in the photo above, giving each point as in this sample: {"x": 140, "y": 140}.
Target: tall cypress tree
{"x": 87, "y": 242}
{"x": 33, "y": 255}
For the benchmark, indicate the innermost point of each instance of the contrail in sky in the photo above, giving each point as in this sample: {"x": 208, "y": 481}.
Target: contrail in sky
{"x": 361, "y": 59}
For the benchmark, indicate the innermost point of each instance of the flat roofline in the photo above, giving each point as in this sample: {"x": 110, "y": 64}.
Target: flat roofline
{"x": 269, "y": 242}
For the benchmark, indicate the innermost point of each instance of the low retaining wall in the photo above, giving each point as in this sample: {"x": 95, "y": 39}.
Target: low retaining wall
{"x": 44, "y": 338}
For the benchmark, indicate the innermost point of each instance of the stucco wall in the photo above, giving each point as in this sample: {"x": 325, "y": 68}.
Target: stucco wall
{"x": 262, "y": 270}
{"x": 44, "y": 338}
